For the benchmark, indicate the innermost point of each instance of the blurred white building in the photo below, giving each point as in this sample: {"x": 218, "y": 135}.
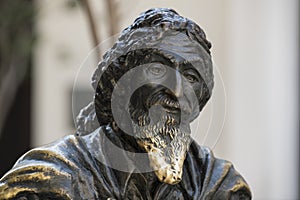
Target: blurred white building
{"x": 255, "y": 49}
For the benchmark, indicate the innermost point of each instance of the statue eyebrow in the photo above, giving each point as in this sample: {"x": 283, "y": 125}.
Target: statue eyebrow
{"x": 192, "y": 60}
{"x": 190, "y": 63}
{"x": 187, "y": 60}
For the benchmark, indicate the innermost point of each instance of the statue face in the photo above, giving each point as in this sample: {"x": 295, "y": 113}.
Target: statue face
{"x": 162, "y": 111}
{"x": 172, "y": 89}
{"x": 162, "y": 86}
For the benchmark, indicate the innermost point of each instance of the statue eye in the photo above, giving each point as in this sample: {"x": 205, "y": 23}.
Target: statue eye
{"x": 191, "y": 78}
{"x": 191, "y": 75}
{"x": 157, "y": 69}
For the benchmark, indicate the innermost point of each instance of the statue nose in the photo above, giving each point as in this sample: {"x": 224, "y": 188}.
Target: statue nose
{"x": 178, "y": 87}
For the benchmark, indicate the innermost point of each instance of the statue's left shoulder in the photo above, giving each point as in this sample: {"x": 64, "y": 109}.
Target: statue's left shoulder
{"x": 232, "y": 185}
{"x": 221, "y": 180}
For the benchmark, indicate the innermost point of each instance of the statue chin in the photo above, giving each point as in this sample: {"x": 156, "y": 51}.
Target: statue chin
{"x": 167, "y": 166}
{"x": 170, "y": 173}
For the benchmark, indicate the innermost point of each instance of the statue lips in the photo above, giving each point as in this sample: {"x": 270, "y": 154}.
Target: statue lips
{"x": 170, "y": 104}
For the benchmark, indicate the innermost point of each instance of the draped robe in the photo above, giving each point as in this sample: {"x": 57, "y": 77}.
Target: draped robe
{"x": 71, "y": 168}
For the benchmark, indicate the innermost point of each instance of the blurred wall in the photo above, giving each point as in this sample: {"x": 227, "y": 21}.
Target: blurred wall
{"x": 263, "y": 95}
{"x": 255, "y": 54}
{"x": 16, "y": 49}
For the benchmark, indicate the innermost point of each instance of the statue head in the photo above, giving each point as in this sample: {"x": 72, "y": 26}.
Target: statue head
{"x": 161, "y": 69}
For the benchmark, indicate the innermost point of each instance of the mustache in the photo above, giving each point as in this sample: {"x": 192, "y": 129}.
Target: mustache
{"x": 164, "y": 99}
{"x": 168, "y": 100}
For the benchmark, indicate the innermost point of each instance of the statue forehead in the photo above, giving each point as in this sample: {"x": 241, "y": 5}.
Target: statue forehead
{"x": 181, "y": 51}
{"x": 174, "y": 42}
{"x": 177, "y": 48}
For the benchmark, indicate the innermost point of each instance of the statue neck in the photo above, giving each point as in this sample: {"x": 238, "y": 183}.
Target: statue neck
{"x": 121, "y": 139}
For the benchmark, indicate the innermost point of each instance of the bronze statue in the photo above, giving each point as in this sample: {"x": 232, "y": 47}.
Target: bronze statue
{"x": 134, "y": 141}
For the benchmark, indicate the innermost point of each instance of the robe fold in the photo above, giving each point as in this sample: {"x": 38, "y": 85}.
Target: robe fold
{"x": 73, "y": 168}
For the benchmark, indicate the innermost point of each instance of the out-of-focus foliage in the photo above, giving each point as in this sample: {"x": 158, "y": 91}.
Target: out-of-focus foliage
{"x": 16, "y": 42}
{"x": 15, "y": 34}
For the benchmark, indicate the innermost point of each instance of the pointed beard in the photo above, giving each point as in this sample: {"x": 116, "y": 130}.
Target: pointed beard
{"x": 166, "y": 144}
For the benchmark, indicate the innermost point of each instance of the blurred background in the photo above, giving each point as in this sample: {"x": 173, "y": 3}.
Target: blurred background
{"x": 45, "y": 44}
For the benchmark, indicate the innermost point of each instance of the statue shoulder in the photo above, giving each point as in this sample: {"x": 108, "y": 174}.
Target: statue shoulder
{"x": 47, "y": 171}
{"x": 221, "y": 181}
{"x": 231, "y": 184}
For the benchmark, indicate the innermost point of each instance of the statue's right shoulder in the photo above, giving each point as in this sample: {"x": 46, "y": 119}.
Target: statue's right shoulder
{"x": 50, "y": 171}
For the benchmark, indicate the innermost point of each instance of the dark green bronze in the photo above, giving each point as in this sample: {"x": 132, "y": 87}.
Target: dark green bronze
{"x": 134, "y": 141}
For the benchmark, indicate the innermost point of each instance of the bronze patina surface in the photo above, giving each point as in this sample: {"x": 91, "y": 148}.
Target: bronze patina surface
{"x": 134, "y": 141}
